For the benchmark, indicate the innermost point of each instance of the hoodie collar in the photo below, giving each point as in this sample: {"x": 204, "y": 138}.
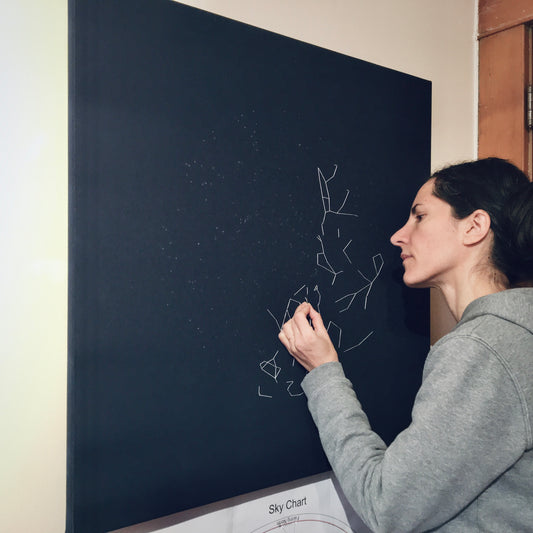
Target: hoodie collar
{"x": 514, "y": 305}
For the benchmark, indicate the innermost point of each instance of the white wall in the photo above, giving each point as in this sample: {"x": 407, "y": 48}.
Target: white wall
{"x": 33, "y": 269}
{"x": 428, "y": 38}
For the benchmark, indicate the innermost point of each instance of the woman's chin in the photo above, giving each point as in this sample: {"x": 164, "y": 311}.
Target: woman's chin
{"x": 415, "y": 283}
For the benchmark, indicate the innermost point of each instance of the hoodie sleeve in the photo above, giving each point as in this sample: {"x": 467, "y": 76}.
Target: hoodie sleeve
{"x": 463, "y": 435}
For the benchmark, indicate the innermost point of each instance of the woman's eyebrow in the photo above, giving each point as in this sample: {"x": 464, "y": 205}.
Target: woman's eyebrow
{"x": 413, "y": 209}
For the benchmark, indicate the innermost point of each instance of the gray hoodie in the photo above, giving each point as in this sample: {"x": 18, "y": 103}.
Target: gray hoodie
{"x": 465, "y": 463}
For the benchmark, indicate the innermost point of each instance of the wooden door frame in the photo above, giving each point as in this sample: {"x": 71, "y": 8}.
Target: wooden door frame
{"x": 505, "y": 70}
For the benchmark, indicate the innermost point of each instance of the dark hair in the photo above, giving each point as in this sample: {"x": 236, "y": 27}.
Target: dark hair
{"x": 506, "y": 194}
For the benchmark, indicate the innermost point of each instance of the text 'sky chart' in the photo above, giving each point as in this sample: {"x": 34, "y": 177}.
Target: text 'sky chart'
{"x": 336, "y": 258}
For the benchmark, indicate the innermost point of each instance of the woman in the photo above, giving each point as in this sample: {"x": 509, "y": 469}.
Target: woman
{"x": 465, "y": 463}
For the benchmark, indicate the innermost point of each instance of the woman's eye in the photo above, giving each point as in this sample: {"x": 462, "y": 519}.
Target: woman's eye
{"x": 419, "y": 217}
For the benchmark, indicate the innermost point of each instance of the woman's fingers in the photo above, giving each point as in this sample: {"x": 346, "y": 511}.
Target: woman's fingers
{"x": 285, "y": 335}
{"x": 316, "y": 319}
{"x": 308, "y": 342}
{"x": 299, "y": 318}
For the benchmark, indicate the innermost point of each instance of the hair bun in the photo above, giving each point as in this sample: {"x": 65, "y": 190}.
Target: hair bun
{"x": 518, "y": 234}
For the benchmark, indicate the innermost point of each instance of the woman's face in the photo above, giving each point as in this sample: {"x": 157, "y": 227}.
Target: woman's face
{"x": 430, "y": 241}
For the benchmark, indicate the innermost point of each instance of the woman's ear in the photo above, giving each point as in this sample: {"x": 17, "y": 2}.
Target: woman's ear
{"x": 477, "y": 226}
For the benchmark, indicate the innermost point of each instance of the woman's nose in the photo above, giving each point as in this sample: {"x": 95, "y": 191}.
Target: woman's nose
{"x": 399, "y": 237}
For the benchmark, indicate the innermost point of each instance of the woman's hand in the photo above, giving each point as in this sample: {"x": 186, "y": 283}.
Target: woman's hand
{"x": 309, "y": 345}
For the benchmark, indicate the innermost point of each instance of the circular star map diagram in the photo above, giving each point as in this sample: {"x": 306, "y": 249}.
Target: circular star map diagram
{"x": 305, "y": 523}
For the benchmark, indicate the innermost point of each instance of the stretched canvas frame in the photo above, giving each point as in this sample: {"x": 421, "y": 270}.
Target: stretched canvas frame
{"x": 219, "y": 175}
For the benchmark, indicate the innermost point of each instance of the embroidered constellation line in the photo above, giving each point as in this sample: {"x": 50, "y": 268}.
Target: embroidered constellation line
{"x": 326, "y": 198}
{"x": 359, "y": 343}
{"x": 339, "y": 332}
{"x": 270, "y": 313}
{"x": 260, "y": 394}
{"x": 336, "y": 244}
{"x": 378, "y": 262}
{"x": 344, "y": 251}
{"x": 304, "y": 289}
{"x": 289, "y": 389}
{"x": 319, "y": 298}
{"x": 321, "y": 259}
{"x": 271, "y": 368}
{"x": 287, "y": 314}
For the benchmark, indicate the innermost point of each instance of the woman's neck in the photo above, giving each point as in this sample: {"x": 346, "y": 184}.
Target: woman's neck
{"x": 458, "y": 295}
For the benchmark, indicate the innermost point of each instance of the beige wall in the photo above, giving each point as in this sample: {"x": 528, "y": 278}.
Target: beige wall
{"x": 427, "y": 38}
